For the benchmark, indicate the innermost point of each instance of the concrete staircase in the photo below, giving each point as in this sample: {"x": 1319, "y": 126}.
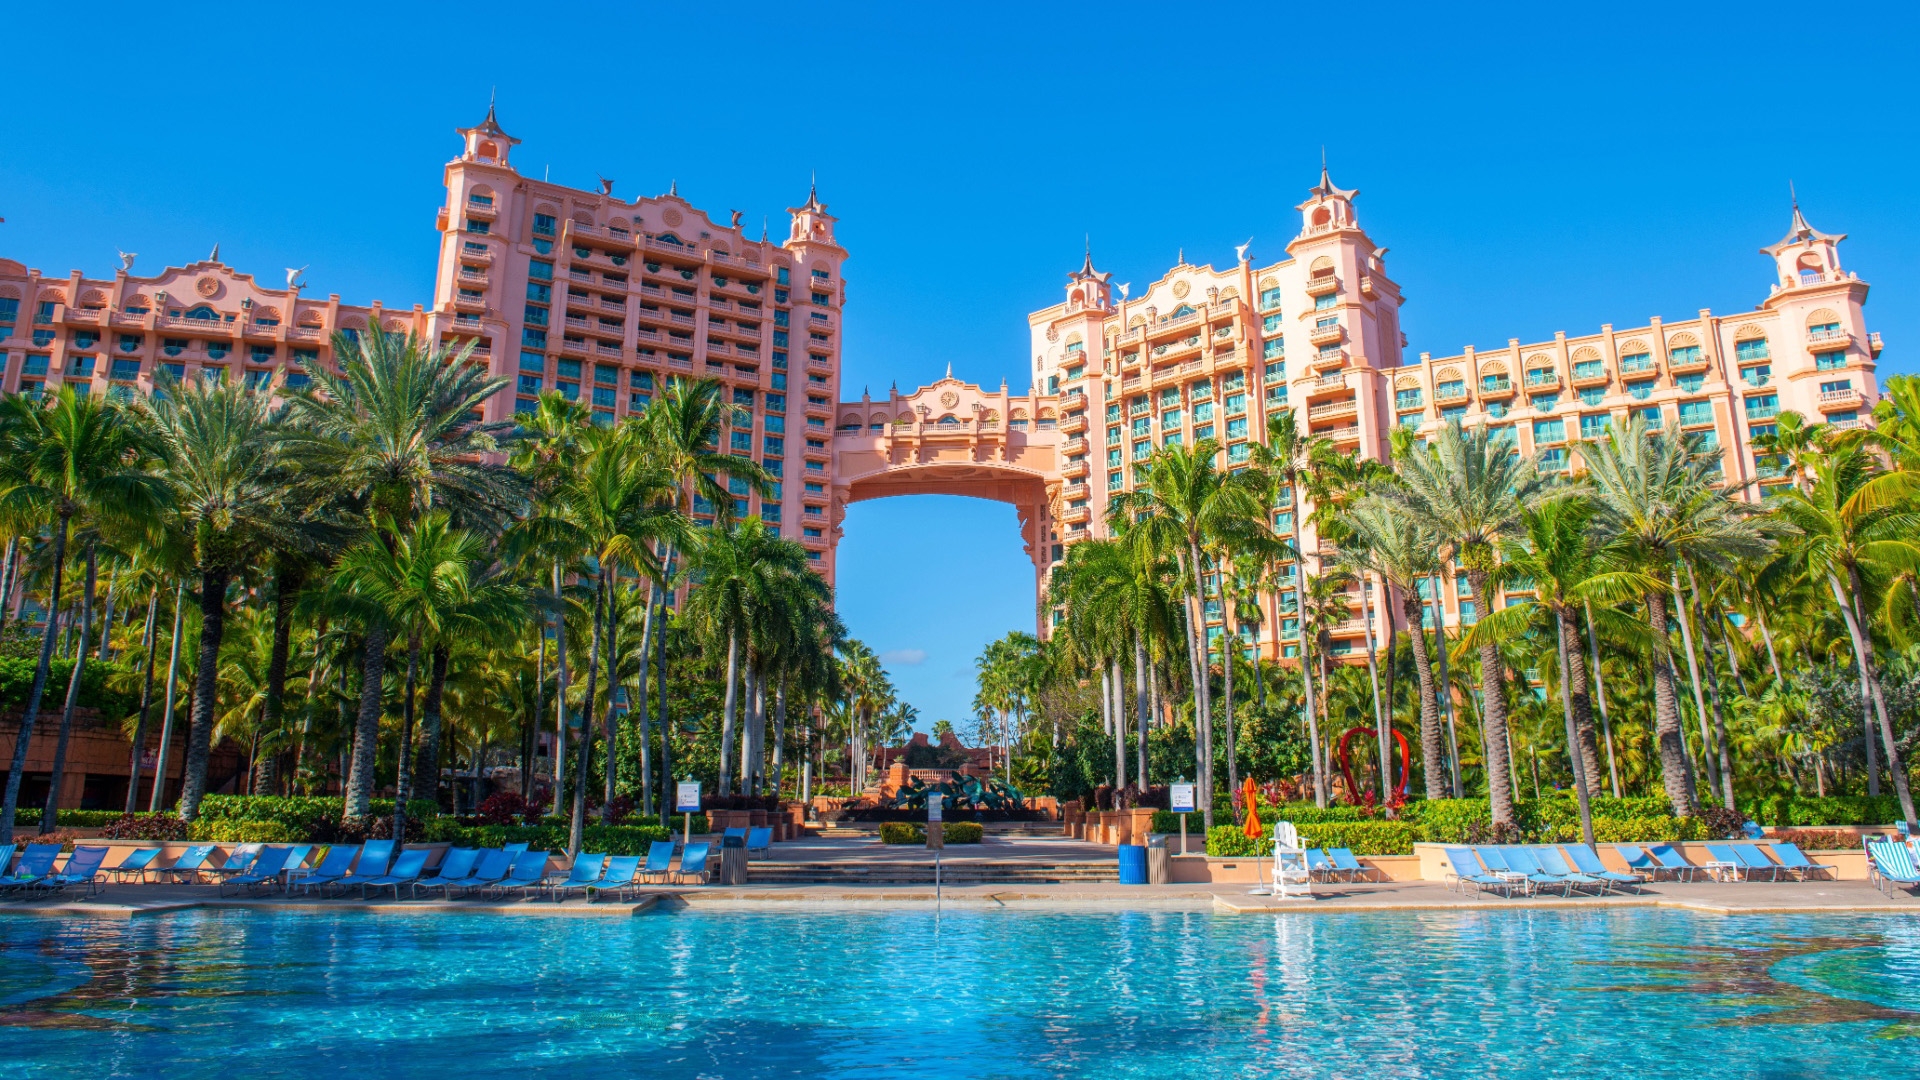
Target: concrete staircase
{"x": 952, "y": 872}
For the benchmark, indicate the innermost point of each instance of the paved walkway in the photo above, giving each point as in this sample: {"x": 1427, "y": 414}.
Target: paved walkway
{"x": 127, "y": 901}
{"x": 1011, "y": 849}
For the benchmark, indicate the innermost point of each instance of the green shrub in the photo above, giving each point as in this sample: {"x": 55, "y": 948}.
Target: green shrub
{"x": 1803, "y": 810}
{"x": 307, "y": 814}
{"x": 223, "y": 831}
{"x": 1231, "y": 840}
{"x": 902, "y": 832}
{"x": 1365, "y": 837}
{"x": 29, "y": 817}
{"x": 961, "y": 832}
{"x": 147, "y": 827}
{"x": 1821, "y": 839}
{"x": 1624, "y": 830}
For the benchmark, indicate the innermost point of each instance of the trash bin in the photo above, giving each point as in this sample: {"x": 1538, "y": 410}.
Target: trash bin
{"x": 733, "y": 860}
{"x": 1133, "y": 864}
{"x": 1159, "y": 861}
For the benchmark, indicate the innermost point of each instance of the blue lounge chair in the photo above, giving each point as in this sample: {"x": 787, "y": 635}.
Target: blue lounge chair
{"x": 457, "y": 863}
{"x": 331, "y": 869}
{"x": 585, "y": 871}
{"x": 759, "y": 839}
{"x": 693, "y": 862}
{"x": 406, "y": 870}
{"x": 1587, "y": 861}
{"x": 1464, "y": 869}
{"x": 266, "y": 871}
{"x": 492, "y": 868}
{"x": 238, "y": 860}
{"x": 1318, "y": 863}
{"x": 1795, "y": 861}
{"x": 134, "y": 865}
{"x": 36, "y": 864}
{"x": 6, "y": 857}
{"x": 1523, "y": 860}
{"x": 82, "y": 868}
{"x": 1752, "y": 831}
{"x": 1554, "y": 863}
{"x": 618, "y": 879}
{"x": 1671, "y": 860}
{"x": 375, "y": 857}
{"x": 1345, "y": 863}
{"x": 659, "y": 860}
{"x": 528, "y": 872}
{"x": 1743, "y": 862}
{"x": 1511, "y": 861}
{"x": 1890, "y": 862}
{"x": 187, "y": 867}
{"x": 297, "y": 855}
{"x": 516, "y": 849}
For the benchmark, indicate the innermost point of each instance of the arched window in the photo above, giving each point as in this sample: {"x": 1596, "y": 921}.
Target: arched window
{"x": 203, "y": 313}
{"x": 1183, "y": 309}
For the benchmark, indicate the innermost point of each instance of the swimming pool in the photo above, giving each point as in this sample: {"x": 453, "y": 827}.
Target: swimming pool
{"x": 977, "y": 994}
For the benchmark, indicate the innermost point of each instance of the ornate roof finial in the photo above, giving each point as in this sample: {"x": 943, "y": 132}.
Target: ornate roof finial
{"x": 606, "y": 185}
{"x": 215, "y": 257}
{"x": 1183, "y": 258}
{"x": 673, "y": 188}
{"x": 949, "y": 369}
{"x": 1799, "y": 232}
{"x": 763, "y": 228}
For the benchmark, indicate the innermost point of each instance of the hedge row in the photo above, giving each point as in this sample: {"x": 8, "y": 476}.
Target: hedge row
{"x": 604, "y": 839}
{"x": 1361, "y": 837}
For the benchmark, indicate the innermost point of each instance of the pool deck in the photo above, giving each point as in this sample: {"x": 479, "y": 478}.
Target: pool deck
{"x": 1755, "y": 898}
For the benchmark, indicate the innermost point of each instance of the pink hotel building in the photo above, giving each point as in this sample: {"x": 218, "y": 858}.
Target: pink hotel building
{"x": 602, "y": 300}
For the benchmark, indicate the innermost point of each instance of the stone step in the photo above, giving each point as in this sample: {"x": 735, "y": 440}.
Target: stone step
{"x": 969, "y": 873}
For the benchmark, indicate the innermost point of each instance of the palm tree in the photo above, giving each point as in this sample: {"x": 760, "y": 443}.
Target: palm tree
{"x": 72, "y": 458}
{"x": 1404, "y": 554}
{"x": 1283, "y": 462}
{"x": 1472, "y": 491}
{"x": 1843, "y": 540}
{"x": 1183, "y": 504}
{"x": 1660, "y": 500}
{"x": 396, "y": 434}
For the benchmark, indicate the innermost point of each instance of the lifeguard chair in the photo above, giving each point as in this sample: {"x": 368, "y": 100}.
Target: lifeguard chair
{"x": 1290, "y": 875}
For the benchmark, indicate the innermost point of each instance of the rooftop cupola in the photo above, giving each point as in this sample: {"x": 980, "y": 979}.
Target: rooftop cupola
{"x": 1089, "y": 288}
{"x": 811, "y": 222}
{"x": 486, "y": 142}
{"x": 1806, "y": 256}
{"x": 1328, "y": 207}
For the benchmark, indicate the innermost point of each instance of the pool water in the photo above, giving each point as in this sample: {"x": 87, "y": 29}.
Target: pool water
{"x": 961, "y": 996}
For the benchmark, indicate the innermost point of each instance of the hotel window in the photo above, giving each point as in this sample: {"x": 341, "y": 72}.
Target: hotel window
{"x": 1238, "y": 452}
{"x": 1549, "y": 431}
{"x": 1237, "y": 428}
{"x": 1142, "y": 425}
{"x": 536, "y": 316}
{"x": 568, "y": 369}
{"x": 1173, "y": 438}
{"x": 1452, "y": 388}
{"x": 1407, "y": 399}
{"x": 1589, "y": 369}
{"x": 1113, "y": 479}
{"x": 1235, "y": 403}
{"x": 778, "y": 424}
{"x": 474, "y": 247}
{"x": 1455, "y": 415}
{"x": 1169, "y": 396}
{"x": 1411, "y": 419}
{"x": 176, "y": 371}
{"x": 1640, "y": 391}
{"x": 1322, "y": 303}
{"x": 538, "y": 293}
{"x": 128, "y": 342}
{"x": 1114, "y": 434}
{"x": 1142, "y": 450}
{"x": 1816, "y": 328}
{"x": 1202, "y": 411}
{"x": 1236, "y": 380}
{"x": 1113, "y": 457}
{"x": 1633, "y": 362}
{"x": 1685, "y": 354}
{"x": 531, "y": 384}
{"x": 1270, "y": 325}
{"x": 636, "y": 402}
{"x": 1594, "y": 426}
{"x": 1762, "y": 406}
{"x": 80, "y": 366}
{"x": 543, "y": 224}
{"x": 480, "y": 227}
{"x": 1113, "y": 412}
{"x": 1170, "y": 419}
{"x": 122, "y": 369}
{"x": 1272, "y": 348}
{"x": 1758, "y": 375}
{"x": 770, "y": 444}
{"x": 1751, "y": 350}
{"x": 1836, "y": 387}
{"x": 1203, "y": 431}
{"x": 1269, "y": 298}
{"x": 742, "y": 442}
{"x": 1545, "y": 402}
{"x": 1650, "y": 415}
{"x": 1554, "y": 458}
{"x": 1690, "y": 384}
{"x": 540, "y": 270}
{"x": 569, "y": 390}
{"x": 743, "y": 397}
{"x": 1276, "y": 373}
{"x": 603, "y": 396}
{"x": 1492, "y": 383}
{"x": 1497, "y": 409}
{"x": 1592, "y": 395}
{"x": 260, "y": 354}
{"x": 1829, "y": 361}
{"x": 534, "y": 362}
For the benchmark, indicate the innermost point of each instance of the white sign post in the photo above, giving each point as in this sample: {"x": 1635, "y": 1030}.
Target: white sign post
{"x": 1180, "y": 799}
{"x": 936, "y": 802}
{"x": 686, "y": 799}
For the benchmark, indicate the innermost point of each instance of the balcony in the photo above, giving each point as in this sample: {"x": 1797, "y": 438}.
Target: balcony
{"x": 1075, "y": 470}
{"x": 1073, "y": 423}
{"x": 1345, "y": 407}
{"x": 1638, "y": 365}
{"x": 81, "y": 317}
{"x": 1341, "y": 436}
{"x": 1074, "y": 446}
{"x": 1828, "y": 340}
{"x": 1446, "y": 394}
{"x": 820, "y": 408}
{"x": 1322, "y": 285}
{"x": 1543, "y": 380}
{"x": 819, "y": 366}
{"x": 1835, "y": 400}
{"x": 1873, "y": 343}
{"x": 1131, "y": 382}
{"x": 1678, "y": 365}
{"x": 1074, "y": 491}
{"x": 1327, "y": 384}
{"x": 1591, "y": 377}
{"x": 477, "y": 281}
{"x": 575, "y": 322}
{"x": 1496, "y": 388}
{"x": 1848, "y": 423}
{"x": 1328, "y": 361}
{"x": 1326, "y": 335}
{"x": 1076, "y": 515}
{"x": 481, "y": 212}
{"x": 472, "y": 305}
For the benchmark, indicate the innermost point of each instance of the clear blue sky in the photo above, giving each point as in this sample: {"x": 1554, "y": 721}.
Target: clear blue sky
{"x": 1533, "y": 170}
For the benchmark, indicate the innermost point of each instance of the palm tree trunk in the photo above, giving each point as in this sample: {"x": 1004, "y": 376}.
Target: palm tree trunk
{"x": 7, "y": 578}
{"x": 403, "y": 763}
{"x": 1430, "y": 750}
{"x": 1191, "y": 602}
{"x": 532, "y": 740}
{"x": 1766, "y": 635}
{"x": 610, "y": 724}
{"x": 1116, "y": 686}
{"x": 661, "y": 721}
{"x": 152, "y": 642}
{"x": 31, "y": 712}
{"x": 366, "y": 730}
{"x": 640, "y": 692}
{"x": 106, "y": 623}
{"x": 426, "y": 770}
{"x": 166, "y": 721}
{"x": 560, "y": 689}
{"x": 746, "y": 729}
{"x": 1863, "y": 653}
{"x": 1493, "y": 711}
{"x": 729, "y": 703}
{"x": 286, "y": 587}
{"x": 779, "y": 772}
{"x": 1707, "y": 745}
{"x": 1443, "y": 691}
{"x": 1600, "y": 692}
{"x": 59, "y": 774}
{"x": 583, "y": 768}
{"x": 1666, "y": 714}
{"x": 206, "y": 689}
{"x": 1373, "y": 681}
{"x": 1140, "y": 710}
{"x": 1573, "y": 698}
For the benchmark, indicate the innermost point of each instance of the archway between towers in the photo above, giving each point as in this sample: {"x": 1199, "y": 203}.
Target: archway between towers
{"x": 953, "y": 438}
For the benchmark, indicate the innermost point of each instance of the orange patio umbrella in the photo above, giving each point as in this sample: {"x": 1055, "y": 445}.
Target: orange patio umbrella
{"x": 1253, "y": 828}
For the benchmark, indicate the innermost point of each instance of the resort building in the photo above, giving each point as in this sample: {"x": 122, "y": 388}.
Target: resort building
{"x": 1206, "y": 353}
{"x": 556, "y": 288}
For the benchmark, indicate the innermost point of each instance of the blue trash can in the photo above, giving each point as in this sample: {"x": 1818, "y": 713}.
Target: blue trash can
{"x": 1133, "y": 864}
